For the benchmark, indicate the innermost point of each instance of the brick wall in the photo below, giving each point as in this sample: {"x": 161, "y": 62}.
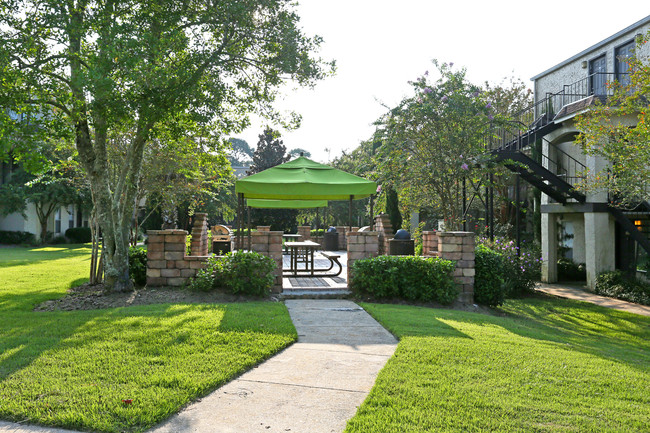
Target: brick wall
{"x": 384, "y": 228}
{"x": 430, "y": 244}
{"x": 167, "y": 263}
{"x": 269, "y": 243}
{"x": 459, "y": 247}
{"x": 199, "y": 245}
{"x": 305, "y": 232}
{"x": 361, "y": 245}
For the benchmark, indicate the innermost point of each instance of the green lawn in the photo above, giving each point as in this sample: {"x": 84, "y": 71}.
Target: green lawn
{"x": 73, "y": 369}
{"x": 547, "y": 365}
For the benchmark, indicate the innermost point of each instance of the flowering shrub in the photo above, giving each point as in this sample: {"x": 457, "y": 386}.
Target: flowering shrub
{"x": 520, "y": 272}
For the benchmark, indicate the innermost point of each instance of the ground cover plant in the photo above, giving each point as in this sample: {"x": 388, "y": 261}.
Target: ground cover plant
{"x": 617, "y": 284}
{"x": 120, "y": 369}
{"x": 544, "y": 365}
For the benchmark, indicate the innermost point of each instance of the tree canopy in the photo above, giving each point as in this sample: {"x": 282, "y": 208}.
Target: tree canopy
{"x": 87, "y": 68}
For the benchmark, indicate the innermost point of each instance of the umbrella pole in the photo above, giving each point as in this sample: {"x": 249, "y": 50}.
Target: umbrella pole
{"x": 350, "y": 214}
{"x": 372, "y": 218}
{"x": 249, "y": 228}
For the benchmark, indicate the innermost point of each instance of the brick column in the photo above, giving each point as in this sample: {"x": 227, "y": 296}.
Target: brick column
{"x": 199, "y": 245}
{"x": 459, "y": 247}
{"x": 361, "y": 245}
{"x": 430, "y": 244}
{"x": 269, "y": 243}
{"x": 305, "y": 232}
{"x": 384, "y": 228}
{"x": 341, "y": 231}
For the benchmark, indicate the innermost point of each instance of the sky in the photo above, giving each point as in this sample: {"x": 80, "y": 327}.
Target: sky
{"x": 380, "y": 45}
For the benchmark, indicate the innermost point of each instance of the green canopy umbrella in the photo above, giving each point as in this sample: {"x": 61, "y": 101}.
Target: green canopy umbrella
{"x": 302, "y": 180}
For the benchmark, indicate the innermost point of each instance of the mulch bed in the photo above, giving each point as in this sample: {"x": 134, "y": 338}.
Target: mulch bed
{"x": 92, "y": 297}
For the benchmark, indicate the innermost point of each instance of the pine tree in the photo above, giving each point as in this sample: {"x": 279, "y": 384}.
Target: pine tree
{"x": 269, "y": 152}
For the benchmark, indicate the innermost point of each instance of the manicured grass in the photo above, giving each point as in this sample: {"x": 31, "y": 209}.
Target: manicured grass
{"x": 547, "y": 366}
{"x": 73, "y": 369}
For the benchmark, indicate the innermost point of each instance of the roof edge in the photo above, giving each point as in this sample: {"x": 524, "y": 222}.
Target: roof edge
{"x": 605, "y": 41}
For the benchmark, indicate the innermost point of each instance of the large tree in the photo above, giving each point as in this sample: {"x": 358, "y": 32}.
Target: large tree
{"x": 91, "y": 67}
{"x": 269, "y": 151}
{"x": 433, "y": 139}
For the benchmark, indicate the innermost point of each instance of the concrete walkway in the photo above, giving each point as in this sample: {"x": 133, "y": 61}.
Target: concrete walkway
{"x": 313, "y": 386}
{"x": 581, "y": 294}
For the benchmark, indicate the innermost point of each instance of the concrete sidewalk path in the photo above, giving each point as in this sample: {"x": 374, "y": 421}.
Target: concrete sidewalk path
{"x": 581, "y": 294}
{"x": 313, "y": 386}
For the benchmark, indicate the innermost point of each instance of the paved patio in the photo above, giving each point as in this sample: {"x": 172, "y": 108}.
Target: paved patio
{"x": 303, "y": 282}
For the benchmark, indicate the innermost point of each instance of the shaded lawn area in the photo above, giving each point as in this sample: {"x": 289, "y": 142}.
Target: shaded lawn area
{"x": 548, "y": 365}
{"x": 73, "y": 369}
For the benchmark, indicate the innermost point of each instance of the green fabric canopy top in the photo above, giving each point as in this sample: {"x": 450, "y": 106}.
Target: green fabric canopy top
{"x": 304, "y": 179}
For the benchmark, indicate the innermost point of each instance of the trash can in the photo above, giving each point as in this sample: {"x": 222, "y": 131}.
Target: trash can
{"x": 401, "y": 244}
{"x": 331, "y": 240}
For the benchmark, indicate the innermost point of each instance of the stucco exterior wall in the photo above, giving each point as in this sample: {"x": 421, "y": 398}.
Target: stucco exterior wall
{"x": 573, "y": 71}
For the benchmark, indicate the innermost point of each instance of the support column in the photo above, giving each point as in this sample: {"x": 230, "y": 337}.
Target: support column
{"x": 549, "y": 248}
{"x": 199, "y": 245}
{"x": 600, "y": 245}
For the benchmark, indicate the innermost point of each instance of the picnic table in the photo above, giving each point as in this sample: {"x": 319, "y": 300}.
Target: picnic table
{"x": 301, "y": 252}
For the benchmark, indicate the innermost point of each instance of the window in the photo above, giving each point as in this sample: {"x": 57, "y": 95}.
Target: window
{"x": 70, "y": 216}
{"x": 598, "y": 76}
{"x": 622, "y": 56}
{"x": 57, "y": 221}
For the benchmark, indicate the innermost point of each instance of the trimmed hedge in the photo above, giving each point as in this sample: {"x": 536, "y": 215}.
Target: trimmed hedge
{"x": 617, "y": 284}
{"x": 16, "y": 238}
{"x": 78, "y": 235}
{"x": 411, "y": 278}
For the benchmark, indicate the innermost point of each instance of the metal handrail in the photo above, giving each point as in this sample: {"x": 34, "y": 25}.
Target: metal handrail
{"x": 542, "y": 112}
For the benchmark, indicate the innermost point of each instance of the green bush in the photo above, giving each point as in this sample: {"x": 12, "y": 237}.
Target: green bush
{"x": 489, "y": 282}
{"x": 57, "y": 240}
{"x": 317, "y": 233}
{"x": 78, "y": 235}
{"x": 568, "y": 270}
{"x": 618, "y": 285}
{"x": 520, "y": 272}
{"x": 138, "y": 265}
{"x": 17, "y": 238}
{"x": 247, "y": 273}
{"x": 411, "y": 278}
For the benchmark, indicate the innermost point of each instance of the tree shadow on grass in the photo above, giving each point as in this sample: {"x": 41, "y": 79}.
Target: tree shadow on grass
{"x": 603, "y": 332}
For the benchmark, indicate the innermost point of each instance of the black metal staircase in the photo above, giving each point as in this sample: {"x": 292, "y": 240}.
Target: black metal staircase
{"x": 558, "y": 177}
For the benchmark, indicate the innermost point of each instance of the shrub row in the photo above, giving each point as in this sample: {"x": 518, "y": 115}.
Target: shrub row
{"x": 410, "y": 278}
{"x": 16, "y": 238}
{"x": 246, "y": 273}
{"x": 78, "y": 235}
{"x": 617, "y": 284}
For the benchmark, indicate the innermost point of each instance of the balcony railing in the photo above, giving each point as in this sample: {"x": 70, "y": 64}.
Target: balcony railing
{"x": 543, "y": 111}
